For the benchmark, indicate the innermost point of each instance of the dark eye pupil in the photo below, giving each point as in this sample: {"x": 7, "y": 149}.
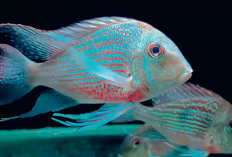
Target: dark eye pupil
{"x": 155, "y": 50}
{"x": 136, "y": 142}
{"x": 230, "y": 124}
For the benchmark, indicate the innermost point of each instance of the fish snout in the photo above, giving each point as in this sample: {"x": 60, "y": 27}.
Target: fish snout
{"x": 120, "y": 155}
{"x": 186, "y": 74}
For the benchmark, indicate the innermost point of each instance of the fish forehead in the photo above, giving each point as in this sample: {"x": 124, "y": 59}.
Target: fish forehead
{"x": 117, "y": 41}
{"x": 123, "y": 31}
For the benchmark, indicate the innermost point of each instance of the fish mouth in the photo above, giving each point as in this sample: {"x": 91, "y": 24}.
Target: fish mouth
{"x": 185, "y": 76}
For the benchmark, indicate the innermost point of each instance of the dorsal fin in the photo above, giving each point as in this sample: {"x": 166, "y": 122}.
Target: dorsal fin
{"x": 153, "y": 135}
{"x": 81, "y": 29}
{"x": 185, "y": 91}
{"x": 40, "y": 44}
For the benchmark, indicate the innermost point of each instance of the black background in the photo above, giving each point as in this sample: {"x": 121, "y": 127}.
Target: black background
{"x": 200, "y": 28}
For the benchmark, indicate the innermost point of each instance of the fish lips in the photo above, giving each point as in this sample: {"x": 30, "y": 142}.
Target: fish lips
{"x": 185, "y": 76}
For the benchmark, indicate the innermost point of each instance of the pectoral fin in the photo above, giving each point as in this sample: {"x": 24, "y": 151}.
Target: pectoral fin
{"x": 93, "y": 67}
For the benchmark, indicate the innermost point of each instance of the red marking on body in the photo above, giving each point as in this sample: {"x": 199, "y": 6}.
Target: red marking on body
{"x": 144, "y": 88}
{"x": 112, "y": 94}
{"x": 211, "y": 149}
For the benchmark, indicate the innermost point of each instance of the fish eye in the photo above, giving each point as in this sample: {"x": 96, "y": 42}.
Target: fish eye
{"x": 230, "y": 124}
{"x": 136, "y": 142}
{"x": 155, "y": 50}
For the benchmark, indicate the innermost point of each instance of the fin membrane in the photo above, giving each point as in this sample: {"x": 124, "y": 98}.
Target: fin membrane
{"x": 185, "y": 91}
{"x": 81, "y": 29}
{"x": 13, "y": 75}
{"x": 189, "y": 152}
{"x": 96, "y": 118}
{"x": 126, "y": 117}
{"x": 154, "y": 136}
{"x": 94, "y": 68}
{"x": 33, "y": 43}
{"x": 182, "y": 151}
{"x": 39, "y": 44}
{"x": 49, "y": 100}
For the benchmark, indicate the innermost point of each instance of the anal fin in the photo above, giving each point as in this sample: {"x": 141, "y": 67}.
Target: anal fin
{"x": 49, "y": 100}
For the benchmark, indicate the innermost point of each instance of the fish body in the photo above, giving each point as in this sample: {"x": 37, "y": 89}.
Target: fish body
{"x": 190, "y": 116}
{"x": 115, "y": 60}
{"x": 122, "y": 48}
{"x": 147, "y": 142}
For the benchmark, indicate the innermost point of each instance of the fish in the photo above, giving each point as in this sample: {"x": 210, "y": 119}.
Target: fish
{"x": 190, "y": 116}
{"x": 147, "y": 142}
{"x": 112, "y": 60}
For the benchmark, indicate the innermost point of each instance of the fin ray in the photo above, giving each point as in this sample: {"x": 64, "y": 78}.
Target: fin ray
{"x": 98, "y": 69}
{"x": 96, "y": 118}
{"x": 188, "y": 151}
{"x": 32, "y": 42}
{"x": 185, "y": 91}
{"x": 15, "y": 74}
{"x": 49, "y": 100}
{"x": 82, "y": 29}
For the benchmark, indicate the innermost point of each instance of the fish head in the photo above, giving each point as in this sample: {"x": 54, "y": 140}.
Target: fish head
{"x": 224, "y": 139}
{"x": 158, "y": 65}
{"x": 133, "y": 146}
{"x": 228, "y": 128}
{"x": 228, "y": 138}
{"x": 221, "y": 133}
{"x": 142, "y": 146}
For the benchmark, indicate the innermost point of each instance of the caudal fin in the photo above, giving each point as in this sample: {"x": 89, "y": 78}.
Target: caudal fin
{"x": 49, "y": 101}
{"x": 35, "y": 44}
{"x": 15, "y": 77}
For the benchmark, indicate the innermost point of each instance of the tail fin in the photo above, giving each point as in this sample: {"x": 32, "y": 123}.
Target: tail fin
{"x": 14, "y": 77}
{"x": 35, "y": 44}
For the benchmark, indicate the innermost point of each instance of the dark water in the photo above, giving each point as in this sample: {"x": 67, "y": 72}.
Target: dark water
{"x": 93, "y": 146}
{"x": 100, "y": 142}
{"x": 200, "y": 28}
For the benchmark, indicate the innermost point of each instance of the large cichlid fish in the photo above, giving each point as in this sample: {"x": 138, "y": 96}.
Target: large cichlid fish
{"x": 115, "y": 60}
